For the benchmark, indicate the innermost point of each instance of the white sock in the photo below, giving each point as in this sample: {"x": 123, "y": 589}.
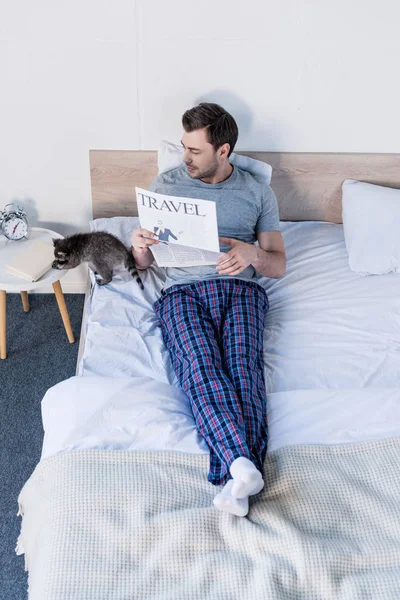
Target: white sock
{"x": 247, "y": 480}
{"x": 226, "y": 502}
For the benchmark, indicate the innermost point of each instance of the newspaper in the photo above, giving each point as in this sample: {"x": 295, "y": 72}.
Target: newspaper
{"x": 185, "y": 227}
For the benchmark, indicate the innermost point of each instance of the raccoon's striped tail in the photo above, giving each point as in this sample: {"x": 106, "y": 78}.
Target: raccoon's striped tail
{"x": 131, "y": 266}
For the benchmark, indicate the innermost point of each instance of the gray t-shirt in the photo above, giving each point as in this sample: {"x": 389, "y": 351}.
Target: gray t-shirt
{"x": 244, "y": 208}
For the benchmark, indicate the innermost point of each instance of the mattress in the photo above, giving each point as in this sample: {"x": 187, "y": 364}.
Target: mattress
{"x": 331, "y": 354}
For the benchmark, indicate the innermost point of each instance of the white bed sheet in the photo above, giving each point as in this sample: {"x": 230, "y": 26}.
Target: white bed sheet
{"x": 327, "y": 329}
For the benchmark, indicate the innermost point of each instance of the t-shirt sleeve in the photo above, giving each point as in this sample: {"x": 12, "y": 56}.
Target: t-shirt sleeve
{"x": 153, "y": 187}
{"x": 269, "y": 215}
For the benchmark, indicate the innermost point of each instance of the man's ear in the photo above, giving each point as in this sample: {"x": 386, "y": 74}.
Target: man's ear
{"x": 224, "y": 150}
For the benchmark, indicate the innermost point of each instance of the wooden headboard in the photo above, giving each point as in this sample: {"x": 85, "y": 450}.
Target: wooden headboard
{"x": 307, "y": 185}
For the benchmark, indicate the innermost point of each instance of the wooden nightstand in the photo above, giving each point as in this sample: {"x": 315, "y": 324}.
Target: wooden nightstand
{"x": 10, "y": 283}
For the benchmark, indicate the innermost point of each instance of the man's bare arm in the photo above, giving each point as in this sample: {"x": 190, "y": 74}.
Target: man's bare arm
{"x": 143, "y": 260}
{"x": 269, "y": 259}
{"x": 141, "y": 241}
{"x": 270, "y": 264}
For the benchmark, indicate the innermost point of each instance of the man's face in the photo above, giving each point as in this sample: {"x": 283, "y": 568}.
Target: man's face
{"x": 199, "y": 155}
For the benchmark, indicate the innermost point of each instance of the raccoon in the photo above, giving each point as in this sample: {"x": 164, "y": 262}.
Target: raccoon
{"x": 103, "y": 251}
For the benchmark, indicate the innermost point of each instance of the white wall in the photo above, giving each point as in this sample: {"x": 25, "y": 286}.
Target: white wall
{"x": 298, "y": 75}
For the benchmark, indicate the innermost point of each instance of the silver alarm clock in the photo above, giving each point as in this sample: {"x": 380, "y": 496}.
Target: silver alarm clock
{"x": 13, "y": 222}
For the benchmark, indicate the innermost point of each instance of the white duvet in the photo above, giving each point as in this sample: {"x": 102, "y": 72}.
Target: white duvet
{"x": 331, "y": 353}
{"x": 143, "y": 414}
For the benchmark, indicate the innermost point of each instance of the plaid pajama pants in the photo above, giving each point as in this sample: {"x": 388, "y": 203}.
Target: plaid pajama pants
{"x": 214, "y": 333}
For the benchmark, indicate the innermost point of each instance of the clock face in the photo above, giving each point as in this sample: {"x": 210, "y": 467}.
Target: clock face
{"x": 15, "y": 228}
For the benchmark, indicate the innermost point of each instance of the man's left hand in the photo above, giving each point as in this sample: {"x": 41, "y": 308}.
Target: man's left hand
{"x": 241, "y": 256}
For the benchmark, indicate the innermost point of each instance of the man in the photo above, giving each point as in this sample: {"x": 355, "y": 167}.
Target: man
{"x": 212, "y": 318}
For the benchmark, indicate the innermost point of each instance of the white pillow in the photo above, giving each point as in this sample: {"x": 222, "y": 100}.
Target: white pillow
{"x": 371, "y": 223}
{"x": 170, "y": 156}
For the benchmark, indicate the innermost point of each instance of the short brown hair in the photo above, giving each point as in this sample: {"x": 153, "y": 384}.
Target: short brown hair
{"x": 220, "y": 125}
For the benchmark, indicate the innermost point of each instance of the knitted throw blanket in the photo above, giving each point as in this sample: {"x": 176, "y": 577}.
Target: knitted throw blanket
{"x": 130, "y": 525}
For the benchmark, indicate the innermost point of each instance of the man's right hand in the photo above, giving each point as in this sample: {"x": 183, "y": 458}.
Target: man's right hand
{"x": 140, "y": 243}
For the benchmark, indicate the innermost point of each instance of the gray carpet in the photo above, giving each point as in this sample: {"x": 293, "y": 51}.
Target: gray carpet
{"x": 38, "y": 356}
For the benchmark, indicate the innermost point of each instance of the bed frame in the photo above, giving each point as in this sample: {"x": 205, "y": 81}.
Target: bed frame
{"x": 308, "y": 186}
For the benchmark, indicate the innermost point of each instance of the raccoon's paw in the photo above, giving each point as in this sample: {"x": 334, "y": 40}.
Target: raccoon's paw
{"x": 102, "y": 281}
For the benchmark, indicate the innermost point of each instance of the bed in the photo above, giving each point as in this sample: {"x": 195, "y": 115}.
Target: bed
{"x": 119, "y": 505}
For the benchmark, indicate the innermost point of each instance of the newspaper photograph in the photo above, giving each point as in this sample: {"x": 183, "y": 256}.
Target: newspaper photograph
{"x": 185, "y": 227}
